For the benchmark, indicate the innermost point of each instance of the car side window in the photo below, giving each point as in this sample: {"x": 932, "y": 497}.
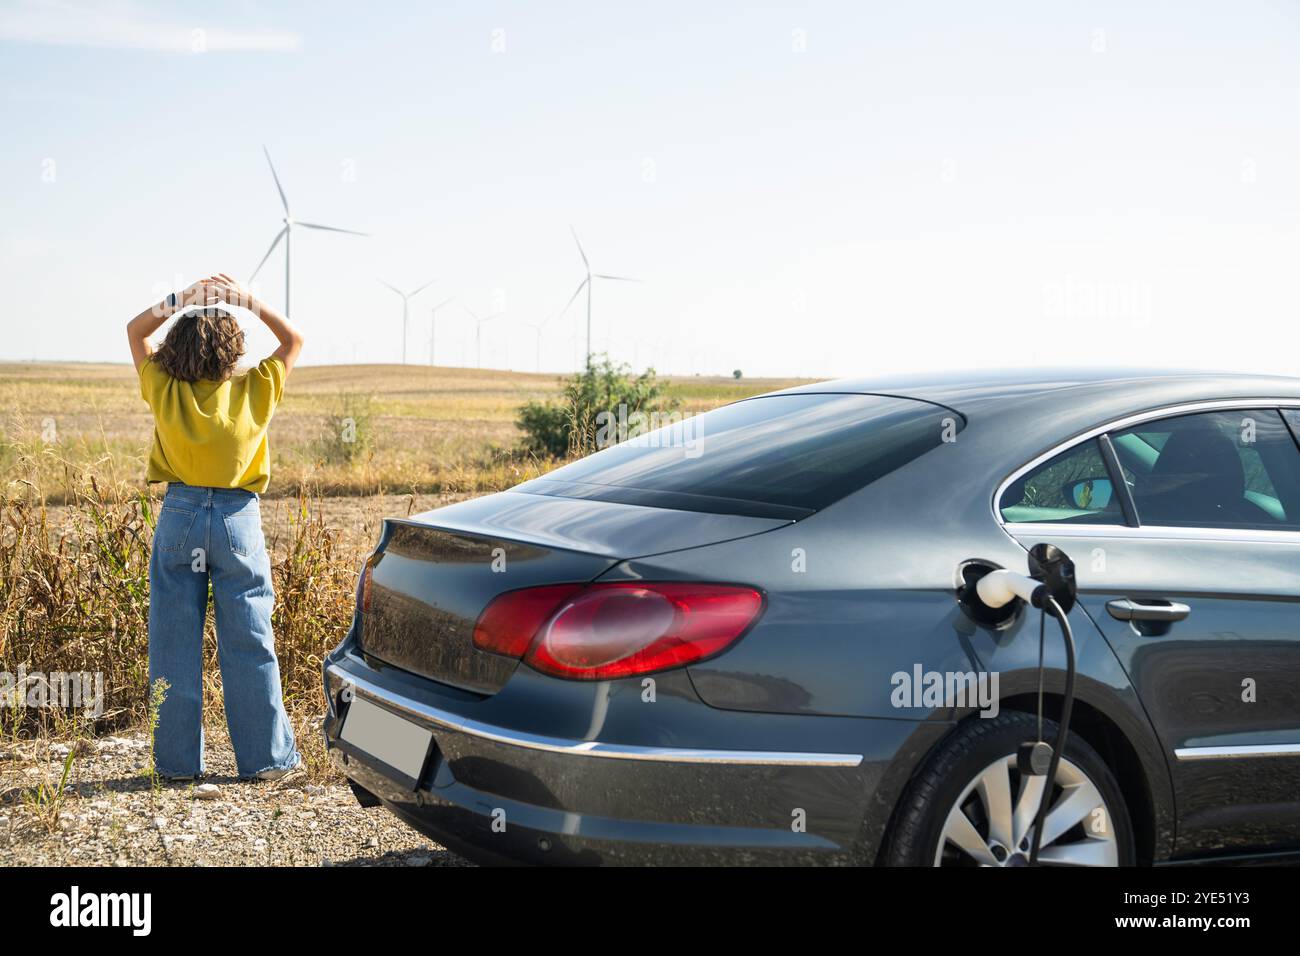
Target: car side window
{"x": 1292, "y": 416}
{"x": 1229, "y": 469}
{"x": 1074, "y": 487}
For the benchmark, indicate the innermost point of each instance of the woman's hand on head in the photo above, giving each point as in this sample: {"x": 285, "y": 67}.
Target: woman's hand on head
{"x": 201, "y": 293}
{"x": 231, "y": 291}
{"x": 214, "y": 290}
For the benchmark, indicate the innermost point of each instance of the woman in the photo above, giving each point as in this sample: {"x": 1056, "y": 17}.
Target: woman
{"x": 210, "y": 446}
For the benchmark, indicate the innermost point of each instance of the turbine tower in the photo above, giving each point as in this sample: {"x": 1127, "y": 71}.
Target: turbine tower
{"x": 286, "y": 235}
{"x": 587, "y": 282}
{"x": 406, "y": 301}
{"x": 537, "y": 332}
{"x": 478, "y": 333}
{"x": 433, "y": 325}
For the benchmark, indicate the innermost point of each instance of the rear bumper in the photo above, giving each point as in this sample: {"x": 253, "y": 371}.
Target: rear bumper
{"x": 462, "y": 819}
{"x": 602, "y": 777}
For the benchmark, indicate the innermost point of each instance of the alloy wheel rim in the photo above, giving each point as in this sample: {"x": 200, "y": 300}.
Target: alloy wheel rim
{"x": 992, "y": 821}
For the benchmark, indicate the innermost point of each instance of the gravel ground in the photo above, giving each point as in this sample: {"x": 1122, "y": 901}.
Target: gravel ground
{"x": 111, "y": 815}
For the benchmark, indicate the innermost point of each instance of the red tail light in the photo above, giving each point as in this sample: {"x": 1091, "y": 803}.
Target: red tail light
{"x": 365, "y": 585}
{"x": 606, "y": 631}
{"x": 508, "y": 624}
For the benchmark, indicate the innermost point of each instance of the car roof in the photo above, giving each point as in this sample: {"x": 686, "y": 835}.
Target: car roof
{"x": 1103, "y": 388}
{"x": 1014, "y": 416}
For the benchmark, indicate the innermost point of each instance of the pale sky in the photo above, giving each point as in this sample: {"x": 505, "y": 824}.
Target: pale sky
{"x": 814, "y": 189}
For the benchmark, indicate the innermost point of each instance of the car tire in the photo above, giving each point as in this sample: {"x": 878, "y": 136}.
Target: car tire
{"x": 965, "y": 775}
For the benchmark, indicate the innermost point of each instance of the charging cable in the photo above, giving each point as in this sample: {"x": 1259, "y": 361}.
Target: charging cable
{"x": 997, "y": 589}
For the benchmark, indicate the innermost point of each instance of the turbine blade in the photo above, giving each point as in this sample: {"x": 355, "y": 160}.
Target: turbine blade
{"x": 283, "y": 198}
{"x": 580, "y": 252}
{"x": 576, "y": 292}
{"x": 422, "y": 288}
{"x": 278, "y": 236}
{"x": 617, "y": 278}
{"x": 316, "y": 225}
{"x": 393, "y": 287}
{"x": 442, "y": 303}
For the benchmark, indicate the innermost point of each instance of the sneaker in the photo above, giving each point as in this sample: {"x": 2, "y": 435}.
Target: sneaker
{"x": 281, "y": 774}
{"x": 188, "y": 778}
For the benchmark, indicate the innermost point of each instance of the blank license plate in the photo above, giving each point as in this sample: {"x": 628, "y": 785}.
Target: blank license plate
{"x": 385, "y": 736}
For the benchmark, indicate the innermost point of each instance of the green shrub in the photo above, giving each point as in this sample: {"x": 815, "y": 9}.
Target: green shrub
{"x": 575, "y": 426}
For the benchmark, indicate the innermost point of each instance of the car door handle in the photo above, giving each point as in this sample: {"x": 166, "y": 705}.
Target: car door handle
{"x": 1123, "y": 609}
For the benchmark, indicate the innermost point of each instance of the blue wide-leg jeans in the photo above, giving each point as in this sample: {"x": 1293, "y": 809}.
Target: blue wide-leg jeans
{"x": 214, "y": 536}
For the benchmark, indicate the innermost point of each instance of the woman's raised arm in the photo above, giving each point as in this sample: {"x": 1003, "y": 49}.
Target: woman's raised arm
{"x": 285, "y": 331}
{"x": 138, "y": 330}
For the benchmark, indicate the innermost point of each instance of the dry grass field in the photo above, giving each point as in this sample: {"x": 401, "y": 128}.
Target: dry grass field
{"x": 419, "y": 429}
{"x": 76, "y": 517}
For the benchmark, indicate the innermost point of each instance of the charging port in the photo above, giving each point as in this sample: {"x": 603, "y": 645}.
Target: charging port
{"x": 968, "y": 574}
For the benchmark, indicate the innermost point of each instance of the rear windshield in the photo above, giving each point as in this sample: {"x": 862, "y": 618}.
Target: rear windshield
{"x": 773, "y": 456}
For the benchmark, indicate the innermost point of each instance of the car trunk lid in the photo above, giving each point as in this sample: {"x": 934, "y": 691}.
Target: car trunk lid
{"x": 434, "y": 573}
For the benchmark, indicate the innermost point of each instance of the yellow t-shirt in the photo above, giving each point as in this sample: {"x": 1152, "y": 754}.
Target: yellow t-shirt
{"x": 213, "y": 434}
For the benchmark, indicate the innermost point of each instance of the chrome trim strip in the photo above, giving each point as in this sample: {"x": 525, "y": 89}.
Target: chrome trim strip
{"x": 1150, "y": 532}
{"x": 1221, "y": 753}
{"x": 1168, "y": 411}
{"x": 588, "y": 748}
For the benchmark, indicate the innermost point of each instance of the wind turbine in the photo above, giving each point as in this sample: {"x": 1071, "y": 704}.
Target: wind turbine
{"x": 478, "y": 333}
{"x": 587, "y": 282}
{"x": 537, "y": 332}
{"x": 286, "y": 234}
{"x": 406, "y": 300}
{"x": 433, "y": 325}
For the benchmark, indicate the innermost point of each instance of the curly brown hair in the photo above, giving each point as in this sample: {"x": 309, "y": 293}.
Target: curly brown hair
{"x": 203, "y": 345}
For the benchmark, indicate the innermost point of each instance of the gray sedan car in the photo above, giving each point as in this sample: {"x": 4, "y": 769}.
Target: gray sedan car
{"x": 753, "y": 637}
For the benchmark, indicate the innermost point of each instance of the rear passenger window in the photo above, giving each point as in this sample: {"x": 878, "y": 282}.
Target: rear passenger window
{"x": 1074, "y": 487}
{"x": 782, "y": 455}
{"x": 1238, "y": 469}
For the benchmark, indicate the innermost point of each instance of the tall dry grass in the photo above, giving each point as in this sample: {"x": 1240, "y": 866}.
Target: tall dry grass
{"x": 74, "y": 597}
{"x": 76, "y": 528}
